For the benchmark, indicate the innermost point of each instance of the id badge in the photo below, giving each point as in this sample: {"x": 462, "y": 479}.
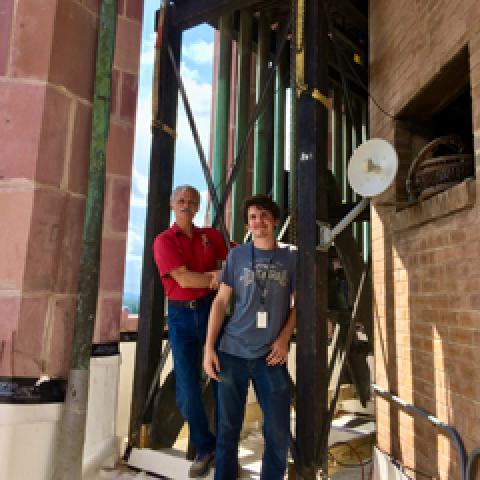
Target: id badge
{"x": 262, "y": 319}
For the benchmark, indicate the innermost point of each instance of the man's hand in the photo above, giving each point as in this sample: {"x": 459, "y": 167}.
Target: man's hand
{"x": 211, "y": 363}
{"x": 214, "y": 283}
{"x": 279, "y": 352}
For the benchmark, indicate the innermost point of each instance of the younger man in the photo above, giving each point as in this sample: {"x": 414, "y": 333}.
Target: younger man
{"x": 254, "y": 343}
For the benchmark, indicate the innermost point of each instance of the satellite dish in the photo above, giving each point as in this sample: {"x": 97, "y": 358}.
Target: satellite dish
{"x": 372, "y": 167}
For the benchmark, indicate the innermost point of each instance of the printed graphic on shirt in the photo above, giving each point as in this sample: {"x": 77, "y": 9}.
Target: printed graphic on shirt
{"x": 276, "y": 273}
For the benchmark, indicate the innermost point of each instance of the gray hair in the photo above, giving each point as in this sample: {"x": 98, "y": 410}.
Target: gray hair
{"x": 185, "y": 187}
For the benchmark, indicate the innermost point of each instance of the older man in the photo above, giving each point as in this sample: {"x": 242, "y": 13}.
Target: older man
{"x": 188, "y": 259}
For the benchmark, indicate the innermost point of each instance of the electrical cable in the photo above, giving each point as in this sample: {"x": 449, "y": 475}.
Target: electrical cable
{"x": 338, "y": 51}
{"x": 365, "y": 87}
{"x": 339, "y": 59}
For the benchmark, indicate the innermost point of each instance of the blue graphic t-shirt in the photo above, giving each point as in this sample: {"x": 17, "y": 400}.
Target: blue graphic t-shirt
{"x": 275, "y": 272}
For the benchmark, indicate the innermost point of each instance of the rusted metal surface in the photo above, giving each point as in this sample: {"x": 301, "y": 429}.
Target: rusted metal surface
{"x": 430, "y": 173}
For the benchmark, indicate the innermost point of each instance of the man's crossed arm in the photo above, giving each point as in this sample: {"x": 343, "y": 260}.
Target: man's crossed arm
{"x": 188, "y": 279}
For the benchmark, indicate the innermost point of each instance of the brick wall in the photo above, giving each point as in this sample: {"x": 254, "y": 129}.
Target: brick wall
{"x": 47, "y": 62}
{"x": 426, "y": 276}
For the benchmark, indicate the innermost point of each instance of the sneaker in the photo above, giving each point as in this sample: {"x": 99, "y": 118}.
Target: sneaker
{"x": 201, "y": 465}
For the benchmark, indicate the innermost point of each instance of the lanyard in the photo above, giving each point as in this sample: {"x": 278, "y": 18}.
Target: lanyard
{"x": 261, "y": 283}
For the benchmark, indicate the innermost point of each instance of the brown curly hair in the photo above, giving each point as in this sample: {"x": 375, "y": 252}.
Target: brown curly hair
{"x": 262, "y": 201}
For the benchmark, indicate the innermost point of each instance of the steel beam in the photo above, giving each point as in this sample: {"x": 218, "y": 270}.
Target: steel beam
{"x": 261, "y": 141}
{"x": 188, "y": 13}
{"x": 355, "y": 16}
{"x": 337, "y": 211}
{"x": 312, "y": 274}
{"x": 222, "y": 107}
{"x": 353, "y": 265}
{"x": 243, "y": 103}
{"x": 292, "y": 177}
{"x": 152, "y": 308}
{"x": 281, "y": 80}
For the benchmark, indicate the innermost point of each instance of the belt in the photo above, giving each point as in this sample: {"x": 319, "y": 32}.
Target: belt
{"x": 191, "y": 304}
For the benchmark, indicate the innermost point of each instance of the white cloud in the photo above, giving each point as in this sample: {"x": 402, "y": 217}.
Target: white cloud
{"x": 134, "y": 243}
{"x": 138, "y": 197}
{"x": 199, "y": 52}
{"x": 133, "y": 274}
{"x": 148, "y": 50}
{"x": 204, "y": 196}
{"x": 143, "y": 120}
{"x": 200, "y": 98}
{"x": 138, "y": 201}
{"x": 187, "y": 72}
{"x": 199, "y": 95}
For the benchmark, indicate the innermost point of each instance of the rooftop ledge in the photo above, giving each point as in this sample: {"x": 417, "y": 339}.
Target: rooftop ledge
{"x": 453, "y": 200}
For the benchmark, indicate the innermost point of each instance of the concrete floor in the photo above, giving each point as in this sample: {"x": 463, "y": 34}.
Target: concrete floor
{"x": 346, "y": 474}
{"x": 353, "y": 473}
{"x": 250, "y": 450}
{"x": 250, "y": 454}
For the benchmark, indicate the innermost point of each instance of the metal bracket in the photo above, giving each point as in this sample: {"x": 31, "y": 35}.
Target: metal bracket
{"x": 326, "y": 235}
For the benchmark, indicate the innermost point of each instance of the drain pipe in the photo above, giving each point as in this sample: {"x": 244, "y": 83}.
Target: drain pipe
{"x": 70, "y": 441}
{"x": 450, "y": 431}
{"x": 472, "y": 462}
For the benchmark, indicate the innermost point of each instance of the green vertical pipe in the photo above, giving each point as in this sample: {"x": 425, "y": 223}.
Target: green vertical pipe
{"x": 243, "y": 102}
{"x": 222, "y": 106}
{"x": 356, "y": 141}
{"x": 337, "y": 128}
{"x": 71, "y": 437}
{"x": 292, "y": 178}
{"x": 347, "y": 153}
{"x": 366, "y": 225}
{"x": 279, "y": 132}
{"x": 261, "y": 140}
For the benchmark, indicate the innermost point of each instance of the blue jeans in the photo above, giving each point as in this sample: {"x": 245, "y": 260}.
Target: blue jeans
{"x": 187, "y": 330}
{"x": 272, "y": 388}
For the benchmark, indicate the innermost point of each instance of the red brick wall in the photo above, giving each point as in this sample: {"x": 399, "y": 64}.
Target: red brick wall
{"x": 47, "y": 61}
{"x": 426, "y": 277}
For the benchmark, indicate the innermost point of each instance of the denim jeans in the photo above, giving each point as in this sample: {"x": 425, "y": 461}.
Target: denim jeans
{"x": 187, "y": 330}
{"x": 272, "y": 388}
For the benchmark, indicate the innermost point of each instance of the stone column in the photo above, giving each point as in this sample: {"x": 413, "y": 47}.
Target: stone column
{"x": 47, "y": 71}
{"x": 47, "y": 61}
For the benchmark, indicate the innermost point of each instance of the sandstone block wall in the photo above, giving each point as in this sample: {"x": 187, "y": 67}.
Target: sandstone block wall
{"x": 47, "y": 69}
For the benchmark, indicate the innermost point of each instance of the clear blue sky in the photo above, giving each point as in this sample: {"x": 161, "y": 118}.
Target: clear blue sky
{"x": 196, "y": 68}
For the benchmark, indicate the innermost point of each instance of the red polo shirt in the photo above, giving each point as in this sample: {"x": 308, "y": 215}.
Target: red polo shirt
{"x": 173, "y": 249}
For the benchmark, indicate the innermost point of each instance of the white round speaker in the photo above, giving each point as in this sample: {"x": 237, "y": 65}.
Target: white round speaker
{"x": 372, "y": 167}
